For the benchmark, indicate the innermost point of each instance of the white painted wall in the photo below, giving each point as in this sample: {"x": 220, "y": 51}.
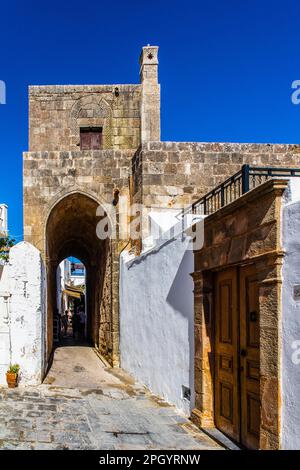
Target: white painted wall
{"x": 27, "y": 312}
{"x": 290, "y": 366}
{"x": 77, "y": 280}
{"x": 157, "y": 320}
{"x": 4, "y": 321}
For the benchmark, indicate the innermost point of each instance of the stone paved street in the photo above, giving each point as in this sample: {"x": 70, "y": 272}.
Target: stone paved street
{"x": 114, "y": 414}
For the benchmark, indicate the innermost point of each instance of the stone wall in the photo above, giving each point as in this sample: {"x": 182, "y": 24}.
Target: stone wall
{"x": 59, "y": 177}
{"x": 127, "y": 114}
{"x": 105, "y": 336}
{"x": 175, "y": 173}
{"x": 56, "y": 114}
{"x": 48, "y": 176}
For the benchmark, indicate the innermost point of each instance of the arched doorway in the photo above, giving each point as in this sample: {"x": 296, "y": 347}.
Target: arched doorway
{"x": 71, "y": 231}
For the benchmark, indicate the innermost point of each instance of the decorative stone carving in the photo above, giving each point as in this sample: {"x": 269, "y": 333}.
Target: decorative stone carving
{"x": 90, "y": 111}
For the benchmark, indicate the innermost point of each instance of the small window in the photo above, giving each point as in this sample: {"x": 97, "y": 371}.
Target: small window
{"x": 91, "y": 138}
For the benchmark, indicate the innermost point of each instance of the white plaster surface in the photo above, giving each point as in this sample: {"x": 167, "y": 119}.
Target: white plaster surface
{"x": 157, "y": 320}
{"x": 27, "y": 312}
{"x": 4, "y": 318}
{"x": 290, "y": 367}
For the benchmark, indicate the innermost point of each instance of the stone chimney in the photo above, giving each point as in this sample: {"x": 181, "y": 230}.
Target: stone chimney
{"x": 150, "y": 100}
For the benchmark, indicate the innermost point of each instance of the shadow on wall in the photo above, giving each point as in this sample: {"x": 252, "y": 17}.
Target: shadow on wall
{"x": 157, "y": 321}
{"x": 180, "y": 299}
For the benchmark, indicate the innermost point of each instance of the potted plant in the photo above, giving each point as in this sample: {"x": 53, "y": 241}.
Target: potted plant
{"x": 12, "y": 375}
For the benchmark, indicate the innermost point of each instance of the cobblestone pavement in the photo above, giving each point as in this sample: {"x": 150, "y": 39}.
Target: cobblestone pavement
{"x": 48, "y": 417}
{"x": 111, "y": 412}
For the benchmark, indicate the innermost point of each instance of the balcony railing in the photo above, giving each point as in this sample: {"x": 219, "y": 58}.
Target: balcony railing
{"x": 247, "y": 178}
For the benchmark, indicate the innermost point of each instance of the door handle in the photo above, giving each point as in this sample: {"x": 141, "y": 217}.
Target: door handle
{"x": 243, "y": 352}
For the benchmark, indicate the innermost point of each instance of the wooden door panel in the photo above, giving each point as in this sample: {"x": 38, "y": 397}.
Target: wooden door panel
{"x": 226, "y": 401}
{"x": 226, "y": 363}
{"x": 249, "y": 357}
{"x": 253, "y": 419}
{"x": 85, "y": 140}
{"x": 91, "y": 138}
{"x": 96, "y": 140}
{"x": 225, "y": 292}
{"x": 226, "y": 379}
{"x": 252, "y": 370}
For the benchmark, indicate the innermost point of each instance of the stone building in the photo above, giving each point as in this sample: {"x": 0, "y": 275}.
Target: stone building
{"x": 81, "y": 143}
{"x": 91, "y": 145}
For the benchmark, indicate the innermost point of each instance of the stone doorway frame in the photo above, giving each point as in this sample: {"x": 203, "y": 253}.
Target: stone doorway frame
{"x": 268, "y": 269}
{"x": 264, "y": 201}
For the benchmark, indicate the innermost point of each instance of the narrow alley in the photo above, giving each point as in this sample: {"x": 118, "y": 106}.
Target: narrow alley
{"x": 85, "y": 405}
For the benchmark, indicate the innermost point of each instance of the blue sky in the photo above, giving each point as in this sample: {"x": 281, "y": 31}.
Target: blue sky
{"x": 226, "y": 67}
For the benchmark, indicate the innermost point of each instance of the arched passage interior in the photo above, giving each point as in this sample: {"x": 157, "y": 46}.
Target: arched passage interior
{"x": 71, "y": 231}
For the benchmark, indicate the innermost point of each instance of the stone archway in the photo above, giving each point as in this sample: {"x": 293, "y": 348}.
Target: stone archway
{"x": 71, "y": 231}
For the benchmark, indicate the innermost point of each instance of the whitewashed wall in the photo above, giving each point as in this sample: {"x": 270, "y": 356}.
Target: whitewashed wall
{"x": 4, "y": 321}
{"x": 157, "y": 320}
{"x": 24, "y": 315}
{"x": 291, "y": 318}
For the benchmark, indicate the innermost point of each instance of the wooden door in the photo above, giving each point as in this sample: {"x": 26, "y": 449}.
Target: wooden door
{"x": 249, "y": 358}
{"x": 91, "y": 138}
{"x": 237, "y": 391}
{"x": 85, "y": 139}
{"x": 226, "y": 354}
{"x": 96, "y": 139}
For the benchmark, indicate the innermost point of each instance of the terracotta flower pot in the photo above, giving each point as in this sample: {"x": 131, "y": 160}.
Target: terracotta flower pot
{"x": 12, "y": 379}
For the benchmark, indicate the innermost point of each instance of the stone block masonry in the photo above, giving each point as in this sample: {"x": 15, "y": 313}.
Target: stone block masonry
{"x": 64, "y": 184}
{"x": 48, "y": 176}
{"x": 57, "y": 113}
{"x": 174, "y": 173}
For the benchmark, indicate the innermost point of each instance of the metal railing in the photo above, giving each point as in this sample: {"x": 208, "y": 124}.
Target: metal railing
{"x": 249, "y": 177}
